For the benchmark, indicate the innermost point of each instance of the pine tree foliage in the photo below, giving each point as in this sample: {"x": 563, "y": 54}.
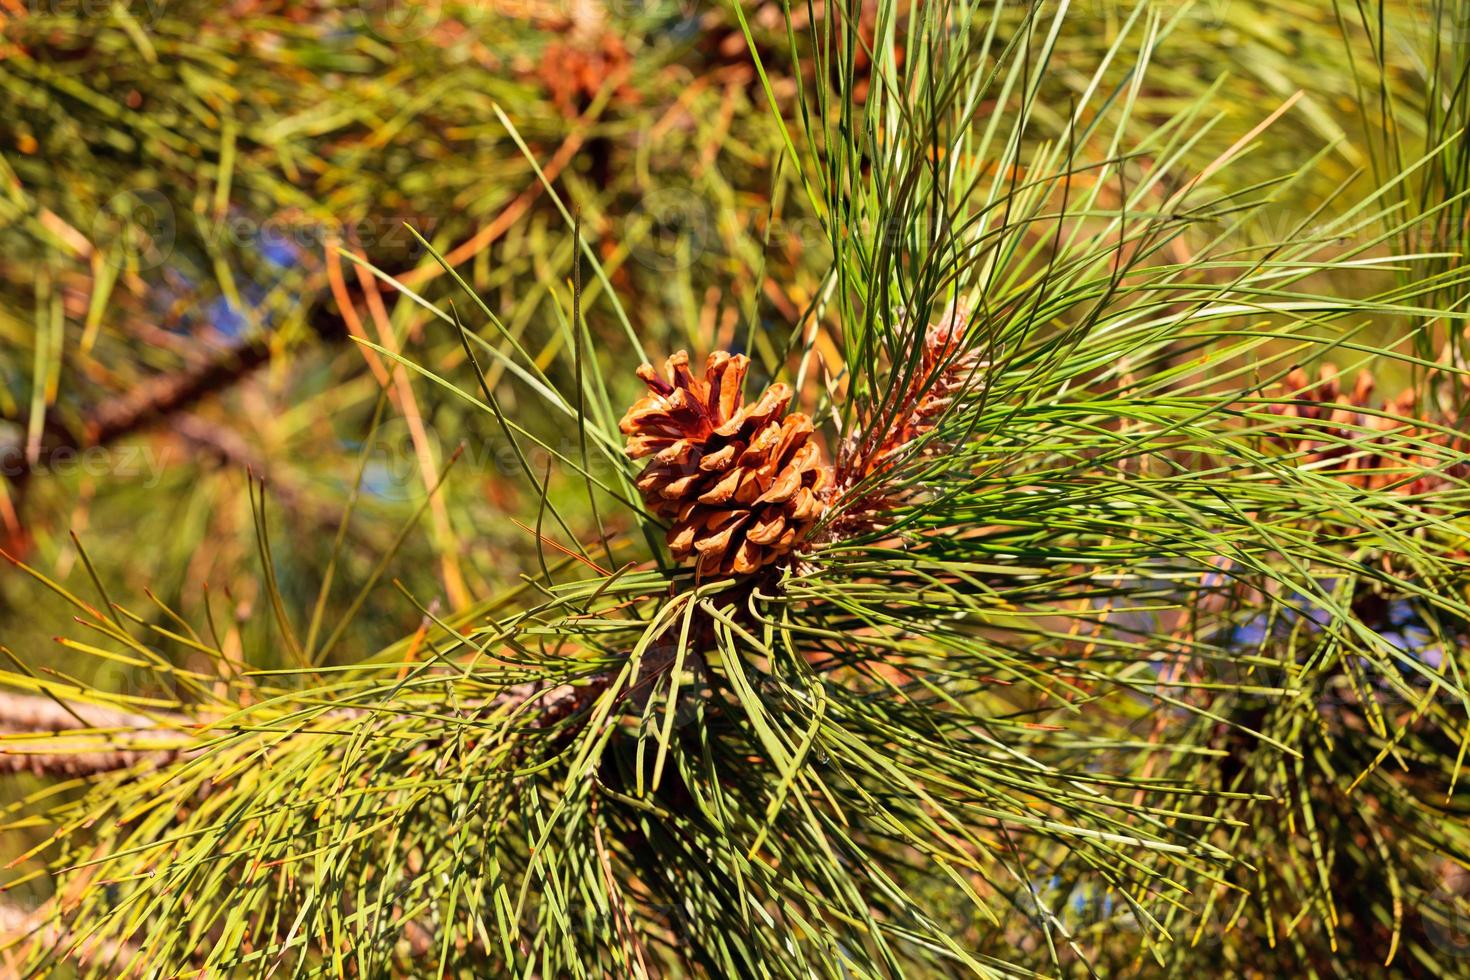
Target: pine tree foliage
{"x": 1103, "y": 660}
{"x": 175, "y": 180}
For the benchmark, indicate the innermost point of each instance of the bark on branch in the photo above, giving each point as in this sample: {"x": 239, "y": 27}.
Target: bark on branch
{"x": 43, "y": 736}
{"x": 165, "y": 394}
{"x": 152, "y": 400}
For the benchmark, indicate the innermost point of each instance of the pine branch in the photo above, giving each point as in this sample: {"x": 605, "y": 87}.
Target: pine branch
{"x": 35, "y": 714}
{"x": 42, "y": 736}
{"x": 146, "y": 403}
{"x": 47, "y": 737}
{"x": 165, "y": 394}
{"x": 154, "y": 400}
{"x": 65, "y": 758}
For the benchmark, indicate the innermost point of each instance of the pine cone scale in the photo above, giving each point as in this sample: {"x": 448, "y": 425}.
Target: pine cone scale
{"x": 767, "y": 527}
{"x": 721, "y": 459}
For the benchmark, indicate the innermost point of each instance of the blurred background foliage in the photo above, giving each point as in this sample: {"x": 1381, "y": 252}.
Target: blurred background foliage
{"x": 176, "y": 185}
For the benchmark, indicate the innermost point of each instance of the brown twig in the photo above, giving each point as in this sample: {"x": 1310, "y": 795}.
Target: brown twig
{"x": 150, "y": 401}
{"x": 66, "y": 757}
{"x": 42, "y": 736}
{"x": 165, "y": 394}
{"x": 34, "y": 714}
{"x": 115, "y": 418}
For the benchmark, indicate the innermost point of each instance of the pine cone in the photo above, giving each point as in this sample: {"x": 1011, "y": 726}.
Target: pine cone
{"x": 1352, "y": 445}
{"x": 741, "y": 484}
{"x": 950, "y": 373}
{"x": 575, "y": 70}
{"x": 946, "y": 372}
{"x": 1340, "y": 438}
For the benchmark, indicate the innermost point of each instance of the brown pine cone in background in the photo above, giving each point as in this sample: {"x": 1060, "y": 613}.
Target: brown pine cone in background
{"x": 1336, "y": 429}
{"x": 1339, "y": 435}
{"x": 741, "y": 484}
{"x": 724, "y": 42}
{"x": 946, "y": 371}
{"x": 575, "y": 70}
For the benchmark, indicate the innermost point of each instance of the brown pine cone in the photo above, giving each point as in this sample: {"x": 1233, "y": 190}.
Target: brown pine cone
{"x": 574, "y": 71}
{"x": 946, "y": 372}
{"x": 949, "y": 371}
{"x": 1340, "y": 438}
{"x": 741, "y": 484}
